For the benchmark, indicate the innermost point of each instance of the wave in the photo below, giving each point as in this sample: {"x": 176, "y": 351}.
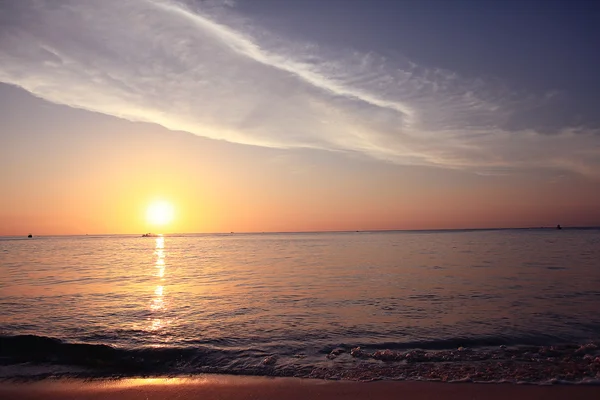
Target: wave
{"x": 456, "y": 342}
{"x": 33, "y": 355}
{"x": 40, "y": 349}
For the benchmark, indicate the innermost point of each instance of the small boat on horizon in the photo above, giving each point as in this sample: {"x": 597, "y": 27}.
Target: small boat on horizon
{"x": 150, "y": 235}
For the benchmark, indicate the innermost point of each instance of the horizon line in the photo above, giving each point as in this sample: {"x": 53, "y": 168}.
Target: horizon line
{"x": 321, "y": 231}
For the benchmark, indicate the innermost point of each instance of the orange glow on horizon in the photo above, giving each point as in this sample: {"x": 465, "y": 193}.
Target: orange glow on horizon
{"x": 260, "y": 193}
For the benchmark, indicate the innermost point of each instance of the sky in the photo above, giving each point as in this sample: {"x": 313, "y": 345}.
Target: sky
{"x": 267, "y": 115}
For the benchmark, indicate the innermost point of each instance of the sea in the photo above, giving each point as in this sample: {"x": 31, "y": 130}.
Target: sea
{"x": 508, "y": 305}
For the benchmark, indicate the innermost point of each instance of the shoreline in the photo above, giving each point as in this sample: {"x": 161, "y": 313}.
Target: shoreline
{"x": 222, "y": 387}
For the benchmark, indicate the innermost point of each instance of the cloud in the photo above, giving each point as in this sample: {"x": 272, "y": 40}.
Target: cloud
{"x": 204, "y": 70}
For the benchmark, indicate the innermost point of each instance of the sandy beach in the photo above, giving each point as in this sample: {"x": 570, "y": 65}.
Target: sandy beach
{"x": 233, "y": 387}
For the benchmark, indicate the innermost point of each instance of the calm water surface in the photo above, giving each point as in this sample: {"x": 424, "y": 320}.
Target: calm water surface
{"x": 303, "y": 304}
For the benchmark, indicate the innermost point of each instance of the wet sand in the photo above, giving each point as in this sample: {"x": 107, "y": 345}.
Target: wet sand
{"x": 234, "y": 387}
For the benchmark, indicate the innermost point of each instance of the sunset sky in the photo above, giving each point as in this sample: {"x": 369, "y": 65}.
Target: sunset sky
{"x": 269, "y": 115}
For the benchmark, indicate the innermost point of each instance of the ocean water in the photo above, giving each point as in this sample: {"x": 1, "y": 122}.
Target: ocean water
{"x": 488, "y": 305}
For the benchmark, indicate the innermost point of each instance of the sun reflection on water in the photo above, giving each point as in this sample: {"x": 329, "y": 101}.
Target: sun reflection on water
{"x": 158, "y": 305}
{"x": 158, "y": 302}
{"x": 156, "y": 324}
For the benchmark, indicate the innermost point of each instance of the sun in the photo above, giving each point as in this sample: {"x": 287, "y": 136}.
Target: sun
{"x": 159, "y": 213}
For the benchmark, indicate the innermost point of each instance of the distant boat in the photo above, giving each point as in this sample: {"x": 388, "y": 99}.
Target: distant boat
{"x": 558, "y": 226}
{"x": 150, "y": 235}
{"x": 30, "y": 235}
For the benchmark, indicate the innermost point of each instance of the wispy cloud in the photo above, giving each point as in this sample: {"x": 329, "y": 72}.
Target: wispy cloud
{"x": 199, "y": 70}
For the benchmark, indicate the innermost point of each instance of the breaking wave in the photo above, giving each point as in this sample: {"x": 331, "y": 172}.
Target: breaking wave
{"x": 488, "y": 360}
